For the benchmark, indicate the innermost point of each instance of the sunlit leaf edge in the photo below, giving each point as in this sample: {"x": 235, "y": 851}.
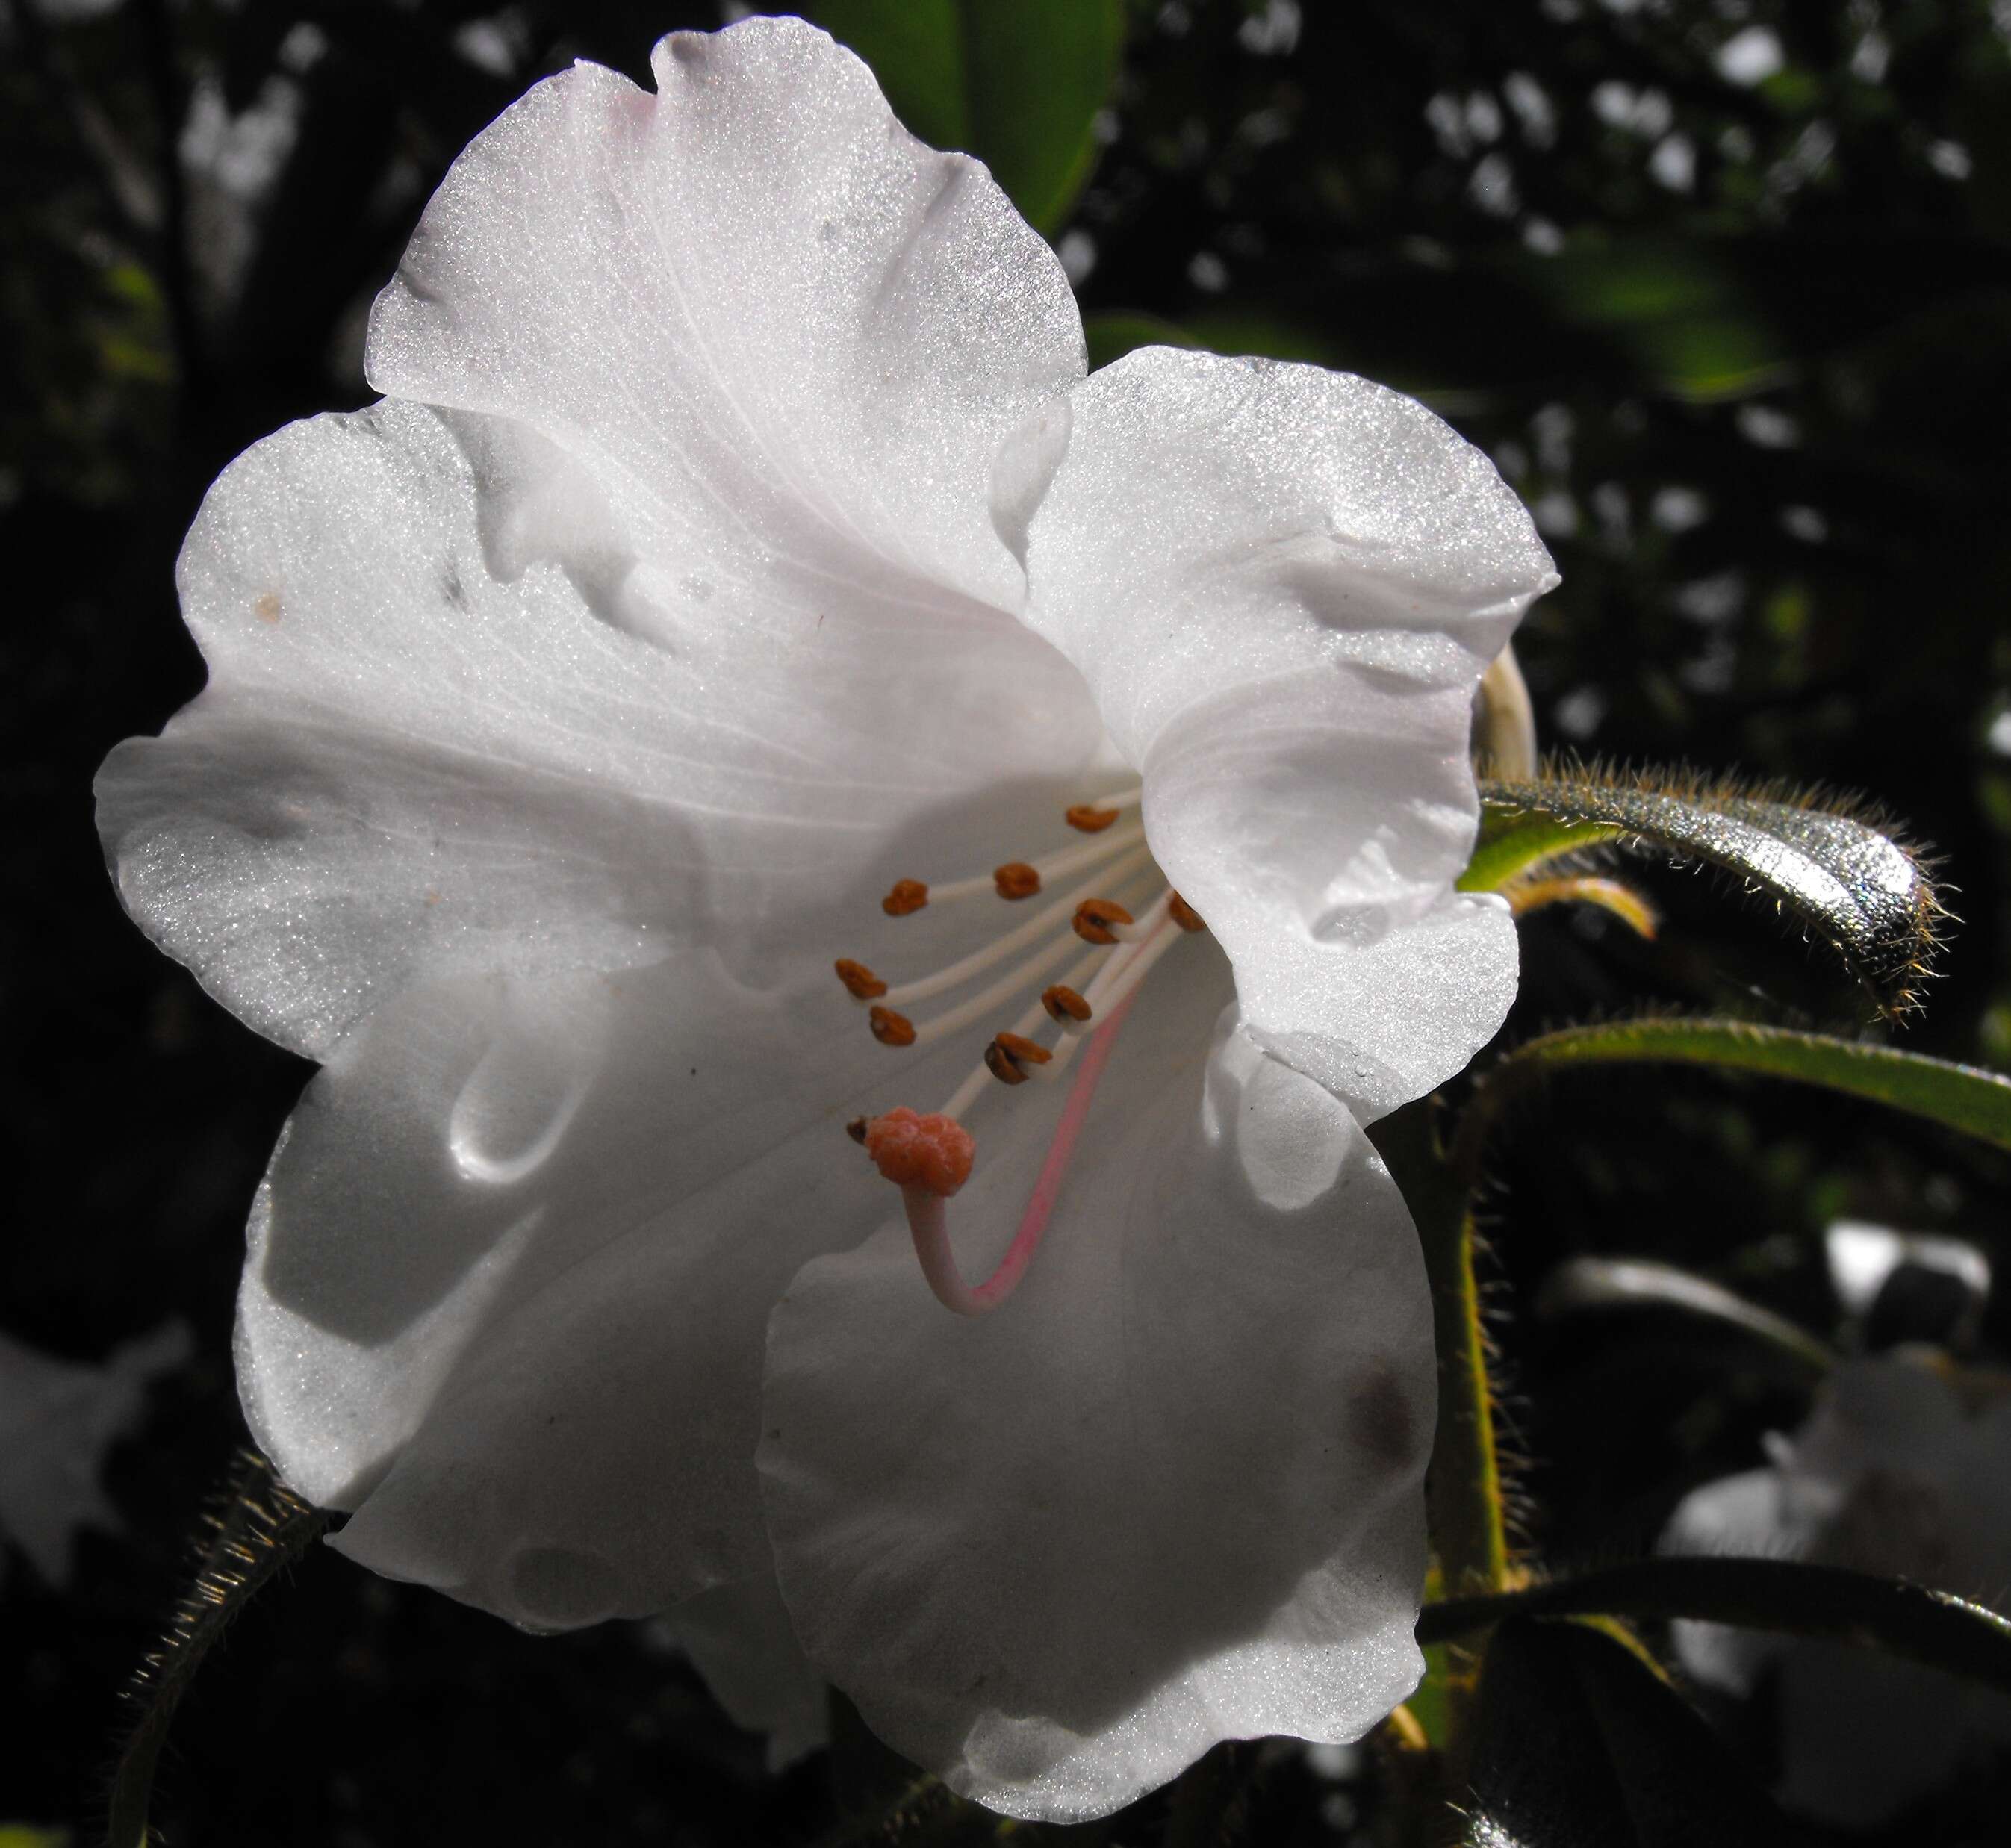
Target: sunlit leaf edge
{"x": 1837, "y": 866}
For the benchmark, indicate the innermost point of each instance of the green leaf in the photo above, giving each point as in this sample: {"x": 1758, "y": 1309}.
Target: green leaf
{"x": 1515, "y": 840}
{"x": 1934, "y": 1628}
{"x": 1111, "y": 336}
{"x": 258, "y": 1528}
{"x": 1578, "y": 1743}
{"x": 1865, "y": 893}
{"x": 1960, "y": 1096}
{"x": 1642, "y": 1283}
{"x": 1017, "y": 83}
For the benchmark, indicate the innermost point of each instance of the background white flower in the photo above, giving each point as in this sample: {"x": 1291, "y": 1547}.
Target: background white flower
{"x": 1902, "y": 1469}
{"x": 569, "y": 713}
{"x": 58, "y": 1418}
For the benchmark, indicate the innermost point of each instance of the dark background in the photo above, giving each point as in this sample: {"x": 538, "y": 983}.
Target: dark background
{"x": 1745, "y": 346}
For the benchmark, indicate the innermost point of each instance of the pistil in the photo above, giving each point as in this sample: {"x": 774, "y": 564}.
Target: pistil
{"x": 930, "y": 1158}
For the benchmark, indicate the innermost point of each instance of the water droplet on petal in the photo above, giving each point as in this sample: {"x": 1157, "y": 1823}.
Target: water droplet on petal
{"x": 1354, "y": 926}
{"x": 516, "y": 1106}
{"x": 557, "y": 1588}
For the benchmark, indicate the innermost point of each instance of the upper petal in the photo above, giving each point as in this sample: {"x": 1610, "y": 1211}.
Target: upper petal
{"x": 681, "y": 600}
{"x": 1283, "y": 586}
{"x": 406, "y": 765}
{"x": 771, "y": 335}
{"x": 1166, "y": 1494}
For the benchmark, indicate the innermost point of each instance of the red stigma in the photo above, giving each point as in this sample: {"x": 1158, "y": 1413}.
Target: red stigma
{"x": 932, "y": 1152}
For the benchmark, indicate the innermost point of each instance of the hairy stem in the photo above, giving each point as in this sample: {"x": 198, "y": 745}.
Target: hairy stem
{"x": 1463, "y": 1489}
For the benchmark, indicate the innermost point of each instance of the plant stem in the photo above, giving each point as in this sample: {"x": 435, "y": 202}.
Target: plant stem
{"x": 1463, "y": 1488}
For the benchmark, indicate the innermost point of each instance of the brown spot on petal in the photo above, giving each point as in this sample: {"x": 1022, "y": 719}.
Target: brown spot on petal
{"x": 1380, "y": 1419}
{"x": 267, "y": 608}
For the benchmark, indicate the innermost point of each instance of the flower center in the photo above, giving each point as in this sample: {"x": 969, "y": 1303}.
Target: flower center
{"x": 1128, "y": 928}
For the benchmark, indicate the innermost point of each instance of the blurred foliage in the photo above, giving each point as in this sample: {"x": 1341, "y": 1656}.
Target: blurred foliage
{"x": 1723, "y": 285}
{"x": 1020, "y": 85}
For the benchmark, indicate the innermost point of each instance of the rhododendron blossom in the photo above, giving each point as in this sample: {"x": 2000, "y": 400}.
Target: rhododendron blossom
{"x": 1903, "y": 1469}
{"x": 853, "y": 888}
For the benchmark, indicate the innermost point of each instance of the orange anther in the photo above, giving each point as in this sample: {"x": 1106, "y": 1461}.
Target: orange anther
{"x": 907, "y": 895}
{"x": 932, "y": 1152}
{"x": 1089, "y": 818}
{"x": 1183, "y": 914}
{"x": 860, "y": 983}
{"x": 889, "y": 1028}
{"x": 1009, "y": 1055}
{"x": 1064, "y": 1004}
{"x": 1015, "y": 880}
{"x": 1094, "y": 918}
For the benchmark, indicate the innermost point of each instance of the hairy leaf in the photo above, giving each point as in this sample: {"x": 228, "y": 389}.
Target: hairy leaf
{"x": 1578, "y": 1743}
{"x": 257, "y": 1526}
{"x": 1960, "y": 1096}
{"x": 1935, "y": 1628}
{"x": 1017, "y": 83}
{"x": 1513, "y": 841}
{"x": 1865, "y": 893}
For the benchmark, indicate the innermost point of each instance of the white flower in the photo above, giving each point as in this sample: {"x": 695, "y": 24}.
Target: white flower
{"x": 738, "y": 537}
{"x": 58, "y": 1418}
{"x": 1898, "y": 1472}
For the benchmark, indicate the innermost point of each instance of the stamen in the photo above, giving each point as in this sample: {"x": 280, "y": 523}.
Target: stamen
{"x": 940, "y": 1158}
{"x": 982, "y": 1003}
{"x": 859, "y": 981}
{"x": 1184, "y": 914}
{"x": 1093, "y": 817}
{"x": 1015, "y": 880}
{"x": 1064, "y": 1004}
{"x": 890, "y": 1029}
{"x": 1117, "y": 982}
{"x": 1009, "y": 1055}
{"x": 1097, "y": 920}
{"x": 912, "y": 895}
{"x": 956, "y": 973}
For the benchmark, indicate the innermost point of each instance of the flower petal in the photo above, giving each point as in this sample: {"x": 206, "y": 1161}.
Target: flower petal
{"x": 511, "y": 1272}
{"x": 770, "y": 336}
{"x": 1747, "y": 1516}
{"x": 404, "y": 766}
{"x": 1169, "y": 1493}
{"x": 1283, "y": 586}
{"x": 740, "y": 1639}
{"x": 57, "y": 1420}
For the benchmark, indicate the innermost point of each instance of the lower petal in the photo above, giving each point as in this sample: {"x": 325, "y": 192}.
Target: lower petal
{"x": 511, "y": 1267}
{"x": 740, "y": 1639}
{"x": 1169, "y": 1494}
